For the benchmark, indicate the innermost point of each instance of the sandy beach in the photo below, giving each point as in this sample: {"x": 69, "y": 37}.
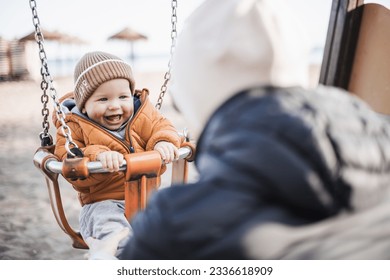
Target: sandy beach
{"x": 28, "y": 229}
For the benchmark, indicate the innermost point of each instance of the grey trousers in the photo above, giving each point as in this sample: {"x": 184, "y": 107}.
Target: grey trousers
{"x": 101, "y": 219}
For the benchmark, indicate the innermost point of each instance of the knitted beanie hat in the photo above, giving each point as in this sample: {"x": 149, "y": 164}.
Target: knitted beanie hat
{"x": 94, "y": 69}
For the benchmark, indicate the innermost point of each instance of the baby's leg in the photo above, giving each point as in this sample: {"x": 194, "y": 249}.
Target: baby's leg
{"x": 102, "y": 219}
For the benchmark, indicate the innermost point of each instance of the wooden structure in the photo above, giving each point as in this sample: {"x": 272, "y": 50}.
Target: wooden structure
{"x": 12, "y": 60}
{"x": 355, "y": 56}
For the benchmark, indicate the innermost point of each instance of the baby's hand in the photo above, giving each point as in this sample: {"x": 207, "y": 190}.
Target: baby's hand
{"x": 167, "y": 150}
{"x": 111, "y": 160}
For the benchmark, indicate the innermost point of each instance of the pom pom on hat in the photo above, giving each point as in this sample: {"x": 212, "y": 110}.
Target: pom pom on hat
{"x": 94, "y": 69}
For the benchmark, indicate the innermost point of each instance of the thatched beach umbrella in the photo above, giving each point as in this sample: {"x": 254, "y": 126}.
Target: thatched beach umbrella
{"x": 73, "y": 40}
{"x": 63, "y": 41}
{"x": 56, "y": 36}
{"x": 47, "y": 35}
{"x": 130, "y": 35}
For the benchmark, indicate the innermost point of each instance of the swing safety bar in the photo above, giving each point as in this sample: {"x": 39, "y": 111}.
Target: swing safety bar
{"x": 55, "y": 166}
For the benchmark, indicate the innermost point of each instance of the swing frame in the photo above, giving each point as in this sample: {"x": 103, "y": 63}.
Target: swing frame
{"x": 142, "y": 170}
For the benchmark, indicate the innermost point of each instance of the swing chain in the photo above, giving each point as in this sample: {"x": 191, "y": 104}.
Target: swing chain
{"x": 47, "y": 84}
{"x": 167, "y": 75}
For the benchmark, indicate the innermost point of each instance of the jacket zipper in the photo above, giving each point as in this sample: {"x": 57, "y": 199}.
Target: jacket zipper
{"x": 128, "y": 127}
{"x": 123, "y": 142}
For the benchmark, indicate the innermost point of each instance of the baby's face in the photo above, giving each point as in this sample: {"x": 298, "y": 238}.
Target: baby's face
{"x": 111, "y": 104}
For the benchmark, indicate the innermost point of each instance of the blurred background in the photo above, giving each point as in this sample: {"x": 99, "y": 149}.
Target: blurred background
{"x": 72, "y": 28}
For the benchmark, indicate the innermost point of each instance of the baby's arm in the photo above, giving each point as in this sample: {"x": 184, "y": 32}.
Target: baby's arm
{"x": 111, "y": 160}
{"x": 167, "y": 150}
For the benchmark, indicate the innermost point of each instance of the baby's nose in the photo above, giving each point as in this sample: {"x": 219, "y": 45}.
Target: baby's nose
{"x": 113, "y": 105}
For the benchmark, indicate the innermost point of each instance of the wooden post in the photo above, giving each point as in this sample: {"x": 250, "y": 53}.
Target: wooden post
{"x": 339, "y": 52}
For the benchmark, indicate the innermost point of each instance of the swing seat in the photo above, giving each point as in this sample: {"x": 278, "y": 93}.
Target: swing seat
{"x": 141, "y": 179}
{"x": 141, "y": 169}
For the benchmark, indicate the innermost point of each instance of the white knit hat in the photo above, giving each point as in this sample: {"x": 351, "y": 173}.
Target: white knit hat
{"x": 231, "y": 45}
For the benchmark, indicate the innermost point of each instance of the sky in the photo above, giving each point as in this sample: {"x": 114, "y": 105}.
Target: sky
{"x": 94, "y": 21}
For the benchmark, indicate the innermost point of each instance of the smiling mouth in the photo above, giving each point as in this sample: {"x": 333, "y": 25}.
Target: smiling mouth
{"x": 113, "y": 118}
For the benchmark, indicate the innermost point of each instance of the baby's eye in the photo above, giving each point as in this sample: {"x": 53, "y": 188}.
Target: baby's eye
{"x": 124, "y": 97}
{"x": 102, "y": 99}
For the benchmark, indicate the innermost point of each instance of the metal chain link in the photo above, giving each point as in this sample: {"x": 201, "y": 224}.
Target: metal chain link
{"x": 167, "y": 75}
{"x": 47, "y": 84}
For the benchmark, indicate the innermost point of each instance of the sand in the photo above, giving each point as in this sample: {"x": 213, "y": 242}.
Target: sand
{"x": 28, "y": 229}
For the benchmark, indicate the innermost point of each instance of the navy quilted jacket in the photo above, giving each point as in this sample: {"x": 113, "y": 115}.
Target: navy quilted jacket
{"x": 287, "y": 156}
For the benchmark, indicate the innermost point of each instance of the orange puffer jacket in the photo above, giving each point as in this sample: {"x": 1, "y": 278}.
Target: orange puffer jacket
{"x": 146, "y": 128}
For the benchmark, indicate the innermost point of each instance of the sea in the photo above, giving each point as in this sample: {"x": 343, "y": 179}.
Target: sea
{"x": 144, "y": 63}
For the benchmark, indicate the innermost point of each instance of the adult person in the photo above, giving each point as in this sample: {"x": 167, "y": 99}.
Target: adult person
{"x": 285, "y": 171}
